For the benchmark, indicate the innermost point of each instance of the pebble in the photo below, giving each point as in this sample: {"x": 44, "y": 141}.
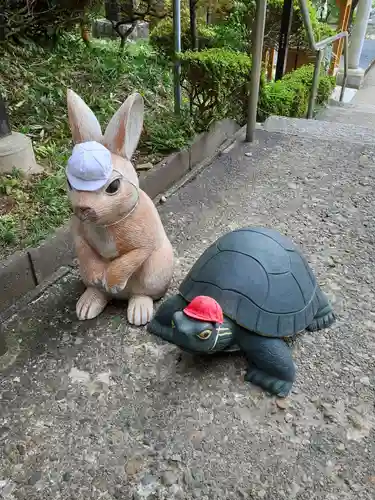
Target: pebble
{"x": 148, "y": 479}
{"x": 282, "y": 403}
{"x": 133, "y": 466}
{"x": 163, "y": 199}
{"x": 288, "y": 418}
{"x": 188, "y": 478}
{"x": 35, "y": 477}
{"x": 61, "y": 395}
{"x": 169, "y": 478}
{"x": 365, "y": 381}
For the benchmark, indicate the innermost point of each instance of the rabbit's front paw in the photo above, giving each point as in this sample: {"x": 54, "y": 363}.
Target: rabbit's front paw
{"x": 90, "y": 304}
{"x": 112, "y": 285}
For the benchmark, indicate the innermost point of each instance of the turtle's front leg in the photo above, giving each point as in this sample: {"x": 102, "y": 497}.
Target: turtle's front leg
{"x": 270, "y": 361}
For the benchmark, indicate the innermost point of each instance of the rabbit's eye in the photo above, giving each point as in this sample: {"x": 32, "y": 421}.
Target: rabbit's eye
{"x": 113, "y": 187}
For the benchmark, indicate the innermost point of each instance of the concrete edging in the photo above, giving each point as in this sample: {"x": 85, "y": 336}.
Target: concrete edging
{"x": 24, "y": 271}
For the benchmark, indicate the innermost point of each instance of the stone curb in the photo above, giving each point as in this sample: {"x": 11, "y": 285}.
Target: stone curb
{"x": 24, "y": 271}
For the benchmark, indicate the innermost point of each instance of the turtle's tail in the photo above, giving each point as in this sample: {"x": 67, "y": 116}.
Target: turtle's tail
{"x": 325, "y": 317}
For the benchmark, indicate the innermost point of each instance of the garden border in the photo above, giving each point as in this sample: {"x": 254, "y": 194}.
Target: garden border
{"x": 26, "y": 270}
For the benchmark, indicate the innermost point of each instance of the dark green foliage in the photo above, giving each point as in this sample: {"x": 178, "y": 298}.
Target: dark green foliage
{"x": 290, "y": 96}
{"x": 161, "y": 36}
{"x": 34, "y": 83}
{"x": 216, "y": 81}
{"x": 235, "y": 31}
{"x": 44, "y": 19}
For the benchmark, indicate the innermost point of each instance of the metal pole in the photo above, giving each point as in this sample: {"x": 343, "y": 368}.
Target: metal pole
{"x": 345, "y": 77}
{"x": 286, "y": 23}
{"x": 177, "y": 51}
{"x": 315, "y": 83}
{"x": 4, "y": 120}
{"x": 307, "y": 22}
{"x": 2, "y": 23}
{"x": 256, "y": 67}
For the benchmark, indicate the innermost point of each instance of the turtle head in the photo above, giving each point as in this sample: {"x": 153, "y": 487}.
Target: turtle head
{"x": 199, "y": 327}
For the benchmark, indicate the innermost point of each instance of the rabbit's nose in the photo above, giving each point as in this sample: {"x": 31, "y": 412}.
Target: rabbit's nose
{"x": 85, "y": 213}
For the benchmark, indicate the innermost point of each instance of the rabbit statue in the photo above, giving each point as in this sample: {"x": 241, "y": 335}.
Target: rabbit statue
{"x": 122, "y": 248}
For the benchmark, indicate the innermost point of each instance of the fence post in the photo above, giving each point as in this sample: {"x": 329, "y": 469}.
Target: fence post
{"x": 177, "y": 51}
{"x": 256, "y": 68}
{"x": 4, "y": 119}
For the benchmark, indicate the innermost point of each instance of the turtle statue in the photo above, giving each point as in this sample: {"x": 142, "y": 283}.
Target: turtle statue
{"x": 249, "y": 291}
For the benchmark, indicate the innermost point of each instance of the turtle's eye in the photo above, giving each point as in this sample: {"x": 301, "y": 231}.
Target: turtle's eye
{"x": 205, "y": 334}
{"x": 113, "y": 187}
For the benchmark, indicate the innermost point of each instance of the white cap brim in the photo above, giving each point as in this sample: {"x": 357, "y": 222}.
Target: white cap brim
{"x": 82, "y": 185}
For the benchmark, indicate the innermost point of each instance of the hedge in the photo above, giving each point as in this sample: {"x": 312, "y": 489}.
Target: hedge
{"x": 290, "y": 95}
{"x": 216, "y": 81}
{"x": 161, "y": 37}
{"x": 233, "y": 32}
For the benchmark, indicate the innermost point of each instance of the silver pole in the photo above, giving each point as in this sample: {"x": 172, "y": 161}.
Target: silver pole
{"x": 256, "y": 68}
{"x": 307, "y": 22}
{"x": 343, "y": 86}
{"x": 315, "y": 82}
{"x": 177, "y": 51}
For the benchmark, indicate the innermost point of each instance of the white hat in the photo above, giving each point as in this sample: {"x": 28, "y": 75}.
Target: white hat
{"x": 89, "y": 167}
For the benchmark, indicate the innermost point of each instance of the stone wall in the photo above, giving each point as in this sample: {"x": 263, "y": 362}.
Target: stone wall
{"x": 102, "y": 28}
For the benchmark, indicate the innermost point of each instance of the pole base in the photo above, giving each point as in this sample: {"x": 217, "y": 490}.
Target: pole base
{"x": 16, "y": 152}
{"x": 355, "y": 78}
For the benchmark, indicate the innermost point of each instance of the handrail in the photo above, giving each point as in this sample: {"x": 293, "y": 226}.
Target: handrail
{"x": 256, "y": 67}
{"x": 318, "y": 48}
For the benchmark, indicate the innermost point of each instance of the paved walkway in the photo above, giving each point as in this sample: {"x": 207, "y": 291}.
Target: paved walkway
{"x": 98, "y": 410}
{"x": 368, "y": 53}
{"x": 366, "y": 94}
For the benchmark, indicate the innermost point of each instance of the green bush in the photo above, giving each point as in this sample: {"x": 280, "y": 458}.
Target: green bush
{"x": 34, "y": 80}
{"x": 216, "y": 82}
{"x": 161, "y": 37}
{"x": 290, "y": 96}
{"x": 235, "y": 31}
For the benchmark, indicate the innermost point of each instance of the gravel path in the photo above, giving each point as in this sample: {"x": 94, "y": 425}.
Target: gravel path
{"x": 99, "y": 410}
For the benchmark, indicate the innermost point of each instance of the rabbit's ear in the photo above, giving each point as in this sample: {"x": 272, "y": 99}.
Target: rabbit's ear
{"x": 82, "y": 121}
{"x": 124, "y": 129}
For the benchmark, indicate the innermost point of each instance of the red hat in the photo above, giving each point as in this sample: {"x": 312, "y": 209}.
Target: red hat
{"x": 205, "y": 309}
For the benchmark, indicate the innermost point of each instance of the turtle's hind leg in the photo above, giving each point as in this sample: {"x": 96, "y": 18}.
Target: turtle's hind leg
{"x": 325, "y": 317}
{"x": 270, "y": 361}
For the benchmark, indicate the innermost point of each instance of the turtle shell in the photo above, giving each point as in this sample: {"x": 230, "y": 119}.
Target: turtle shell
{"x": 261, "y": 280}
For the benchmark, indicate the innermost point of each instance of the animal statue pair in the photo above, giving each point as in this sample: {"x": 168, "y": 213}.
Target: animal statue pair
{"x": 249, "y": 291}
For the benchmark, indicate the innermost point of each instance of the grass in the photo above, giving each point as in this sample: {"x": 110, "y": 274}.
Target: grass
{"x": 34, "y": 83}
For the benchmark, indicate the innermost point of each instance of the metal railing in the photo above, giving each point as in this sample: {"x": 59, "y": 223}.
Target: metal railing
{"x": 317, "y": 47}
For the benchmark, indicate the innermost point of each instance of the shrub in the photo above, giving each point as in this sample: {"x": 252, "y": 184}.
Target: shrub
{"x": 290, "y": 96}
{"x": 238, "y": 34}
{"x": 34, "y": 82}
{"x": 161, "y": 37}
{"x": 42, "y": 19}
{"x": 216, "y": 82}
